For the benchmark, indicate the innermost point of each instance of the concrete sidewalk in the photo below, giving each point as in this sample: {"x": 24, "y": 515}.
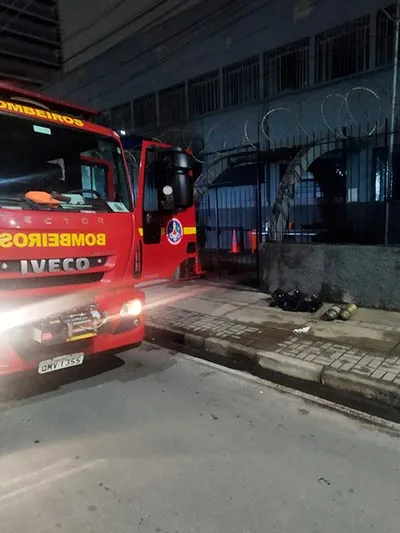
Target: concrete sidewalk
{"x": 360, "y": 356}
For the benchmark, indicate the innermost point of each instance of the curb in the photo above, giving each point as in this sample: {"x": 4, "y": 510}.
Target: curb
{"x": 343, "y": 383}
{"x": 370, "y": 389}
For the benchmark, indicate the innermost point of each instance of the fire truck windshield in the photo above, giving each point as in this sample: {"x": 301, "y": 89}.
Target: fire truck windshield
{"x": 83, "y": 169}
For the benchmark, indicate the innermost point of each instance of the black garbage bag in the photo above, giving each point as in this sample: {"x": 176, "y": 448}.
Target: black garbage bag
{"x": 277, "y": 298}
{"x": 295, "y": 301}
{"x": 311, "y": 304}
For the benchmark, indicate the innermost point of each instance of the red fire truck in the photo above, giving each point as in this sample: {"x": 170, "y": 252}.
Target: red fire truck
{"x": 70, "y": 250}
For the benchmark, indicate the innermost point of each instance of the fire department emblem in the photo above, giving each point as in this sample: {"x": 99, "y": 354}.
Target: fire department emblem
{"x": 174, "y": 231}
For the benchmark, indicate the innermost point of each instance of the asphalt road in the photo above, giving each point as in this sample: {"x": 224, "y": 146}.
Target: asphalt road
{"x": 155, "y": 442}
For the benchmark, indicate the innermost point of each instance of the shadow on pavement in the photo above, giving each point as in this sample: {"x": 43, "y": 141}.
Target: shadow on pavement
{"x": 124, "y": 367}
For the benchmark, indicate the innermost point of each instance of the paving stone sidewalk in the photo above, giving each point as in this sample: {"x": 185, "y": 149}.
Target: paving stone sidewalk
{"x": 360, "y": 357}
{"x": 344, "y": 358}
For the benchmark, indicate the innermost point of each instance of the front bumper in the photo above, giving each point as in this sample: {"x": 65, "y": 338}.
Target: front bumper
{"x": 22, "y": 348}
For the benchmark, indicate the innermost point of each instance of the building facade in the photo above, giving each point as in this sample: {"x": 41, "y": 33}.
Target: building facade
{"x": 219, "y": 61}
{"x": 286, "y": 104}
{"x": 30, "y": 45}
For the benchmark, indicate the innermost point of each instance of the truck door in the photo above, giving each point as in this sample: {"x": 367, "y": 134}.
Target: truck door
{"x": 168, "y": 232}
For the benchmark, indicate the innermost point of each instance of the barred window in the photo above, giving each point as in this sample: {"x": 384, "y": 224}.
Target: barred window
{"x": 121, "y": 117}
{"x": 204, "y": 94}
{"x": 287, "y": 68}
{"x": 385, "y": 36}
{"x": 241, "y": 82}
{"x": 145, "y": 111}
{"x": 343, "y": 50}
{"x": 173, "y": 104}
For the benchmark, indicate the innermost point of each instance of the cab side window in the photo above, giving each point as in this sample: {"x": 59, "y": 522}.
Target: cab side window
{"x": 150, "y": 199}
{"x": 94, "y": 178}
{"x": 133, "y": 161}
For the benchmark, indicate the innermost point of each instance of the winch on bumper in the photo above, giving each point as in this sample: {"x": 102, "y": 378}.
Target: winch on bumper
{"x": 86, "y": 323}
{"x": 78, "y": 325}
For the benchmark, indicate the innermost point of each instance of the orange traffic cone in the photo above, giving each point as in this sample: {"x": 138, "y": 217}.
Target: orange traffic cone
{"x": 253, "y": 241}
{"x": 197, "y": 268}
{"x": 235, "y": 247}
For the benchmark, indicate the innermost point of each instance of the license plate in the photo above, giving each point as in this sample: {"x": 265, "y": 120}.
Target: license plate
{"x": 60, "y": 363}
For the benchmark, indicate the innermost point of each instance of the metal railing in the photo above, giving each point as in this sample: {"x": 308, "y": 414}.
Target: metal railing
{"x": 334, "y": 189}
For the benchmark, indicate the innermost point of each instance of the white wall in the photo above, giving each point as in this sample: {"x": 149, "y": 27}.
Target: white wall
{"x": 91, "y": 27}
{"x": 212, "y": 34}
{"x": 135, "y": 68}
{"x": 152, "y": 60}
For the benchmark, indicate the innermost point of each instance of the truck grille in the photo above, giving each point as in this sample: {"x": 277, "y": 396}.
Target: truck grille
{"x": 49, "y": 281}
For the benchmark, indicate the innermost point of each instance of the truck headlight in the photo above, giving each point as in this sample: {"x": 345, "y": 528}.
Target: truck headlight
{"x": 131, "y": 308}
{"x": 11, "y": 319}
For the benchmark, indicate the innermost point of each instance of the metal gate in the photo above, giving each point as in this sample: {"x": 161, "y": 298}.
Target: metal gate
{"x": 229, "y": 212}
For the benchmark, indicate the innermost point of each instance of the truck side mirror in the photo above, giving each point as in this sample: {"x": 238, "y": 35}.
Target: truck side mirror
{"x": 172, "y": 171}
{"x": 183, "y": 183}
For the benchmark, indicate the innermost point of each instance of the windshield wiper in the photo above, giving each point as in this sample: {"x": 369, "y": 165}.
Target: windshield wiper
{"x": 97, "y": 205}
{"x": 4, "y": 199}
{"x": 94, "y": 204}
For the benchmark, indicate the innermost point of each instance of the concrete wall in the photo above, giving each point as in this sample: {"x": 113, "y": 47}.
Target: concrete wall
{"x": 216, "y": 33}
{"x": 365, "y": 275}
{"x": 91, "y": 27}
{"x": 151, "y": 60}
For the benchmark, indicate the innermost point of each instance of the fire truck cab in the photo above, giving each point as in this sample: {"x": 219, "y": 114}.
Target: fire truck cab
{"x": 71, "y": 233}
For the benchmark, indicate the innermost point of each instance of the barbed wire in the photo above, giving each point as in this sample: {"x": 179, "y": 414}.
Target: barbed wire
{"x": 356, "y": 110}
{"x": 311, "y": 126}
